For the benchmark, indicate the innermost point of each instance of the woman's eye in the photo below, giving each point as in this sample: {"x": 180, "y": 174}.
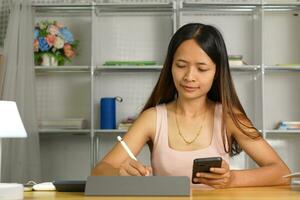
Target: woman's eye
{"x": 202, "y": 70}
{"x": 180, "y": 65}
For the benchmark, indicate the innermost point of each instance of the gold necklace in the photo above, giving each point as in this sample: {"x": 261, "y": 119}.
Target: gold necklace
{"x": 181, "y": 135}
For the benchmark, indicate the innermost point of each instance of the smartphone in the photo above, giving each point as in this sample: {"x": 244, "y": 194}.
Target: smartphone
{"x": 204, "y": 164}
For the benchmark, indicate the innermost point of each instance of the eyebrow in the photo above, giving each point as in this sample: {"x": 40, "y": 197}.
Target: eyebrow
{"x": 198, "y": 63}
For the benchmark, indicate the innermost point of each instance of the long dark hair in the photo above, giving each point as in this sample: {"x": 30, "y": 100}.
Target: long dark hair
{"x": 222, "y": 90}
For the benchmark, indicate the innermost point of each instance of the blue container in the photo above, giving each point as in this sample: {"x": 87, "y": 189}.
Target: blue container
{"x": 108, "y": 113}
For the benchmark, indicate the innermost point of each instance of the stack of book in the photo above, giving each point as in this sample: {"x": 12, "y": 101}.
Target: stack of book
{"x": 236, "y": 60}
{"x": 289, "y": 125}
{"x": 125, "y": 124}
{"x": 126, "y": 63}
{"x": 68, "y": 123}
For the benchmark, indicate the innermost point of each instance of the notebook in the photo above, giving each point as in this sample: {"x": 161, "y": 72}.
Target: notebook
{"x": 137, "y": 186}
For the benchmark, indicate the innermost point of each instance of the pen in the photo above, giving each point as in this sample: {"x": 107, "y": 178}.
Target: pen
{"x": 293, "y": 175}
{"x": 126, "y": 148}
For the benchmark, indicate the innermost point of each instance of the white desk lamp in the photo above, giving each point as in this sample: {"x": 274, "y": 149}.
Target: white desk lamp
{"x": 11, "y": 126}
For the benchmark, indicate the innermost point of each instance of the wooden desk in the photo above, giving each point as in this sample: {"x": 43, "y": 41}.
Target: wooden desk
{"x": 253, "y": 193}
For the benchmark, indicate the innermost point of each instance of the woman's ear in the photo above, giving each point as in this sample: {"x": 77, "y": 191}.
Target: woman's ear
{"x": 215, "y": 76}
{"x": 216, "y": 73}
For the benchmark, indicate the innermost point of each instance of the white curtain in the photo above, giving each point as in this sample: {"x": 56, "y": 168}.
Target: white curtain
{"x": 20, "y": 157}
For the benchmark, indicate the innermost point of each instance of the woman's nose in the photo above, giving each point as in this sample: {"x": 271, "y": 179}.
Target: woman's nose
{"x": 189, "y": 76}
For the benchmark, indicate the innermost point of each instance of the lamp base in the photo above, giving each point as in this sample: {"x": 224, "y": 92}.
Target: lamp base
{"x": 11, "y": 191}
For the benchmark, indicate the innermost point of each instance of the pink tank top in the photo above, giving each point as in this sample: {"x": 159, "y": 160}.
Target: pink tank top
{"x": 169, "y": 162}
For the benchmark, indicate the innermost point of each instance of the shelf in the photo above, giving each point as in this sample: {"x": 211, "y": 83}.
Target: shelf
{"x": 61, "y": 2}
{"x": 138, "y": 68}
{"x": 110, "y": 131}
{"x": 63, "y": 6}
{"x": 133, "y": 6}
{"x": 218, "y": 7}
{"x": 42, "y": 69}
{"x": 222, "y": 2}
{"x": 247, "y": 68}
{"x": 104, "y": 6}
{"x": 243, "y": 2}
{"x": 143, "y": 3}
{"x": 79, "y": 131}
{"x": 281, "y": 7}
{"x": 63, "y": 9}
{"x": 282, "y": 68}
{"x": 129, "y": 68}
{"x": 276, "y": 131}
{"x": 99, "y": 132}
{"x": 59, "y": 132}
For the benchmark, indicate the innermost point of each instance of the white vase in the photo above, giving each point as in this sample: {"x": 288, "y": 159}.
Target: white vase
{"x": 49, "y": 60}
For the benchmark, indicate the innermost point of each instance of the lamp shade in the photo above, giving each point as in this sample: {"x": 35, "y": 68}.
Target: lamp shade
{"x": 11, "y": 125}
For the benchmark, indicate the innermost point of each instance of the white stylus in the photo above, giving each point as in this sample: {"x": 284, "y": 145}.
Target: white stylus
{"x": 293, "y": 175}
{"x": 126, "y": 148}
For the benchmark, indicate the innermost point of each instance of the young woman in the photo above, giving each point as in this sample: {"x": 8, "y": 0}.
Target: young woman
{"x": 194, "y": 112}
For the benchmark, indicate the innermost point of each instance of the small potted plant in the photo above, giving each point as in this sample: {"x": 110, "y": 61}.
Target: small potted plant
{"x": 54, "y": 44}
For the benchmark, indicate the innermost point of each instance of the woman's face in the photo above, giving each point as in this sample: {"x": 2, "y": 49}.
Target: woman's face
{"x": 193, "y": 71}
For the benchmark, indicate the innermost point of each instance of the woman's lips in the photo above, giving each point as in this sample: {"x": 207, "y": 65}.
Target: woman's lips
{"x": 189, "y": 88}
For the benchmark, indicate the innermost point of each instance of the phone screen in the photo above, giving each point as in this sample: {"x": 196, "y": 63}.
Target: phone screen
{"x": 204, "y": 164}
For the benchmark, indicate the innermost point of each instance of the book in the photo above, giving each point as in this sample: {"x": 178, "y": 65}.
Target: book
{"x": 68, "y": 123}
{"x": 142, "y": 63}
{"x": 235, "y": 60}
{"x": 125, "y": 124}
{"x": 288, "y": 125}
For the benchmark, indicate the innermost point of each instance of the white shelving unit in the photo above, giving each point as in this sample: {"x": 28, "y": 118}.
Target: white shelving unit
{"x": 125, "y": 31}
{"x": 266, "y": 33}
{"x": 281, "y": 29}
{"x": 65, "y": 92}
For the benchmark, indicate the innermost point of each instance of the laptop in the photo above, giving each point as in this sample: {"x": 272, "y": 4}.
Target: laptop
{"x": 137, "y": 186}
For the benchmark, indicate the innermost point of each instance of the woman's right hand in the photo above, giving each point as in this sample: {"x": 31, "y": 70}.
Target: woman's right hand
{"x": 134, "y": 168}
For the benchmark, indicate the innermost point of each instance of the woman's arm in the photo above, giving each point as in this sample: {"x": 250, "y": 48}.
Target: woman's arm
{"x": 271, "y": 167}
{"x": 104, "y": 169}
{"x": 117, "y": 161}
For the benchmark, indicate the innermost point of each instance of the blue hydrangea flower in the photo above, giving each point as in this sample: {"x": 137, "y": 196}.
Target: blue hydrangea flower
{"x": 36, "y": 33}
{"x": 66, "y": 35}
{"x": 43, "y": 45}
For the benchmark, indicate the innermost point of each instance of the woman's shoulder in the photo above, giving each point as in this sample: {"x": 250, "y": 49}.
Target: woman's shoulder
{"x": 152, "y": 111}
{"x": 149, "y": 112}
{"x": 146, "y": 122}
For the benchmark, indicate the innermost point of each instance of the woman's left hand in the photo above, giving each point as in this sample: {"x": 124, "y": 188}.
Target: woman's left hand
{"x": 217, "y": 178}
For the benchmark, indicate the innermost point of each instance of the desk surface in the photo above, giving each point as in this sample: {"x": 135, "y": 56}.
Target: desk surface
{"x": 257, "y": 193}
